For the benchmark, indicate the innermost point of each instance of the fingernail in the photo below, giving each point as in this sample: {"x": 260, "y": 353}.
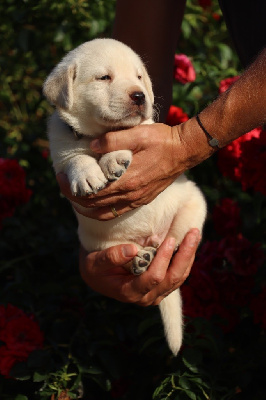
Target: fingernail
{"x": 95, "y": 145}
{"x": 129, "y": 250}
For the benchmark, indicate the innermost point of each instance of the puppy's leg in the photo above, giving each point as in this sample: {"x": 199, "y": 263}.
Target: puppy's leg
{"x": 115, "y": 164}
{"x": 191, "y": 215}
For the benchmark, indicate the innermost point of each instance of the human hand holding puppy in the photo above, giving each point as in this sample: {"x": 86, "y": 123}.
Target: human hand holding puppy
{"x": 103, "y": 271}
{"x": 154, "y": 167}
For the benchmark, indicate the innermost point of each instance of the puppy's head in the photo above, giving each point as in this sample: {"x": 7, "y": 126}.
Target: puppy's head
{"x": 99, "y": 86}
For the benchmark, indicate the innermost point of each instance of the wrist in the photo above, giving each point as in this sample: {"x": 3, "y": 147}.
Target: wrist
{"x": 194, "y": 143}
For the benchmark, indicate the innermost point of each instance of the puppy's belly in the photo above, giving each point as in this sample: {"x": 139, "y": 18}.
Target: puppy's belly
{"x": 129, "y": 228}
{"x": 147, "y": 225}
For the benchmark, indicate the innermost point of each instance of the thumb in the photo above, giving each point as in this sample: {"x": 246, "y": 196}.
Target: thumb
{"x": 114, "y": 256}
{"x": 111, "y": 141}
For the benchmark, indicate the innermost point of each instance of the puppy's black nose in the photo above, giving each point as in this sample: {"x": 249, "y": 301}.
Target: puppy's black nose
{"x": 138, "y": 98}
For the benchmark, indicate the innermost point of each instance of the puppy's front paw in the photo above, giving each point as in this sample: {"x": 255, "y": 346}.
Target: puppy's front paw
{"x": 115, "y": 164}
{"x": 142, "y": 260}
{"x": 86, "y": 181}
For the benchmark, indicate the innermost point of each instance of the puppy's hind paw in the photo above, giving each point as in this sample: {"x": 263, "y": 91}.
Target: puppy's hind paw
{"x": 142, "y": 260}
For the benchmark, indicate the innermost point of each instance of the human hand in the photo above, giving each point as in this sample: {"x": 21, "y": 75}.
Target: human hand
{"x": 103, "y": 271}
{"x": 155, "y": 166}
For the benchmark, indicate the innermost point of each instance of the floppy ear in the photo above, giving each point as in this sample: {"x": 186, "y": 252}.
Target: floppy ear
{"x": 58, "y": 87}
{"x": 148, "y": 84}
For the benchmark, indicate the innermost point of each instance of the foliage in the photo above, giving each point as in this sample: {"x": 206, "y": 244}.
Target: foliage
{"x": 94, "y": 347}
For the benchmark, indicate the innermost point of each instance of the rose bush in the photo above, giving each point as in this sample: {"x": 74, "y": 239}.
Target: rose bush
{"x": 58, "y": 339}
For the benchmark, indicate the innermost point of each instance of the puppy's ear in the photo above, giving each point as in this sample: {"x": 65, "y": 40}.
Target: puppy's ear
{"x": 148, "y": 84}
{"x": 58, "y": 87}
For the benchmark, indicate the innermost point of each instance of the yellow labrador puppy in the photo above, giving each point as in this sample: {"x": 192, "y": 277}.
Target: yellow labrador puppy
{"x": 100, "y": 86}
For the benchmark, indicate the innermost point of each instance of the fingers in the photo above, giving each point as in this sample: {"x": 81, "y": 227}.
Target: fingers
{"x": 114, "y": 256}
{"x": 112, "y": 141}
{"x": 97, "y": 263}
{"x": 103, "y": 213}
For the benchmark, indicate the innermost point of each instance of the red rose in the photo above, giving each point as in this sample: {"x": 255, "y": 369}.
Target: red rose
{"x": 8, "y": 359}
{"x": 13, "y": 191}
{"x": 216, "y": 16}
{"x": 253, "y": 163}
{"x": 184, "y": 71}
{"x": 226, "y": 83}
{"x": 20, "y": 335}
{"x": 45, "y": 153}
{"x": 244, "y": 160}
{"x": 176, "y": 116}
{"x": 226, "y": 217}
{"x": 230, "y": 158}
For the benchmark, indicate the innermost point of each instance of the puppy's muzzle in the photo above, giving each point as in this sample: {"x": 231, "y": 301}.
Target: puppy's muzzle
{"x": 138, "y": 98}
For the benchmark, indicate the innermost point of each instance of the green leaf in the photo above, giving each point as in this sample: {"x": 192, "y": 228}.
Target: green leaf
{"x": 191, "y": 367}
{"x": 192, "y": 359}
{"x": 38, "y": 377}
{"x": 191, "y": 395}
{"x": 184, "y": 383}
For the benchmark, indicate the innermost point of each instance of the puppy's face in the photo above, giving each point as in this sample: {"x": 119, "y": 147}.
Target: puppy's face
{"x": 101, "y": 85}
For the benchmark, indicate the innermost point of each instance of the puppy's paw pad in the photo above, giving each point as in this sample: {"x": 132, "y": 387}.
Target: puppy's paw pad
{"x": 142, "y": 260}
{"x": 115, "y": 164}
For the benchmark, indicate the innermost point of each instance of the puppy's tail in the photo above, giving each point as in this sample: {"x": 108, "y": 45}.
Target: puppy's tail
{"x": 171, "y": 313}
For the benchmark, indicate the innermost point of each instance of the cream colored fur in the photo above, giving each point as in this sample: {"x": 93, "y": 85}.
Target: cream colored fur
{"x": 92, "y": 90}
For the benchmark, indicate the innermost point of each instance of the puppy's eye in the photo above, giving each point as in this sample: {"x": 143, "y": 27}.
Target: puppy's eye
{"x": 104, "y": 78}
{"x": 139, "y": 76}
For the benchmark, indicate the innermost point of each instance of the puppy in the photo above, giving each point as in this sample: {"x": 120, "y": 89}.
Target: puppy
{"x": 100, "y": 86}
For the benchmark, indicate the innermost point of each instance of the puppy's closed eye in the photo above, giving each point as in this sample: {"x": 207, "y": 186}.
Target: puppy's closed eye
{"x": 104, "y": 78}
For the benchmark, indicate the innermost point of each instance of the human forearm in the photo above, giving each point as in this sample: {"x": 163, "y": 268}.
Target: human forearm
{"x": 235, "y": 112}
